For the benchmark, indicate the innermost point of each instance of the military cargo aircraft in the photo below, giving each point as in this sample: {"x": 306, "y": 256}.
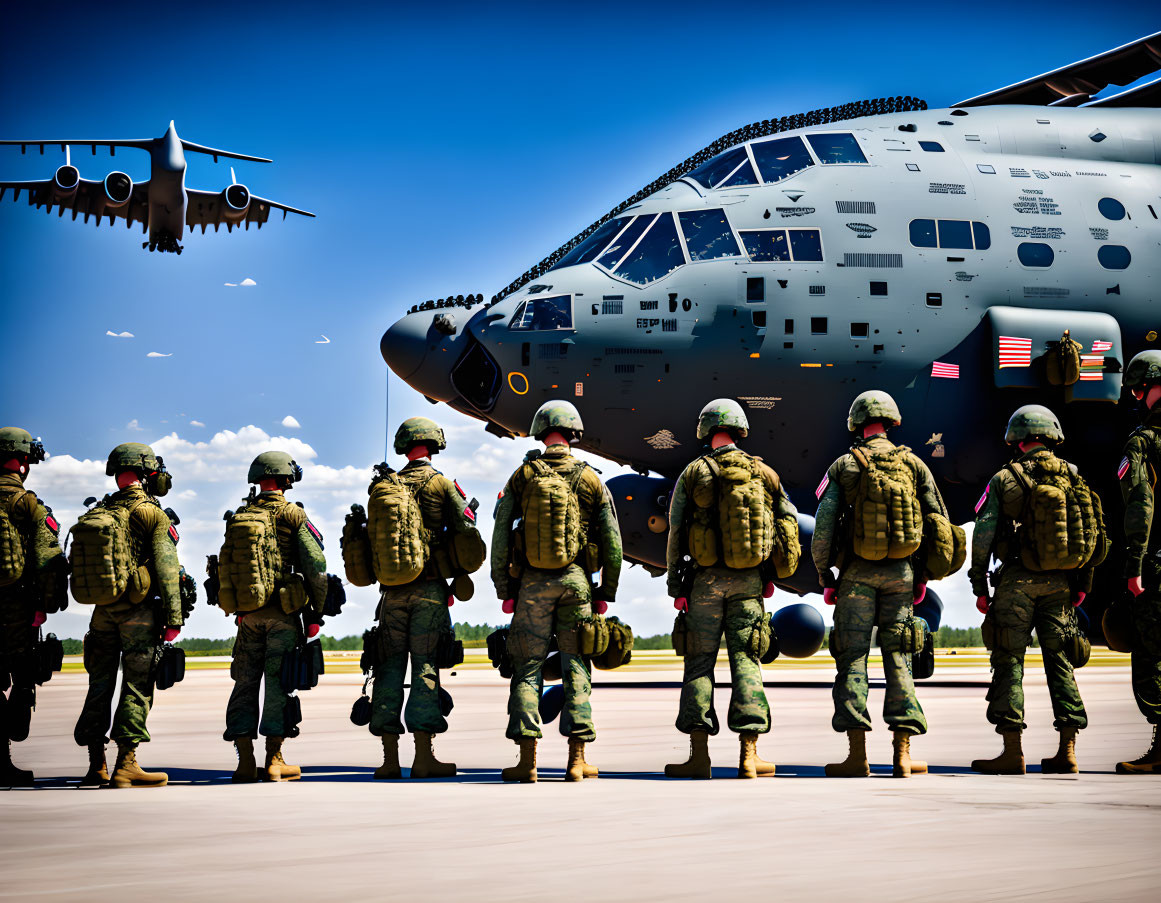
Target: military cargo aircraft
{"x": 939, "y": 254}
{"x": 162, "y": 203}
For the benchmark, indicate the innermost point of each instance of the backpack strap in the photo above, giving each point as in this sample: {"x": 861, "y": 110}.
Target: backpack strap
{"x": 861, "y": 457}
{"x": 716, "y": 521}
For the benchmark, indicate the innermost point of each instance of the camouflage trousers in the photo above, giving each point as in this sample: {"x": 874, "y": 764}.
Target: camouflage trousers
{"x": 728, "y": 602}
{"x": 125, "y": 635}
{"x": 873, "y": 593}
{"x": 264, "y": 636}
{"x": 1146, "y": 656}
{"x": 16, "y": 668}
{"x": 411, "y": 620}
{"x": 549, "y": 604}
{"x": 1024, "y": 600}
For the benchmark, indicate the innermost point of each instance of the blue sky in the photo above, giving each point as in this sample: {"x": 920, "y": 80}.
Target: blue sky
{"x": 444, "y": 150}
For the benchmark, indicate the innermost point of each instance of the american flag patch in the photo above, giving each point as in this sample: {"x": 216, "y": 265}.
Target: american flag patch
{"x": 470, "y": 514}
{"x": 51, "y": 523}
{"x": 1102, "y": 345}
{"x": 822, "y": 486}
{"x": 1015, "y": 351}
{"x": 173, "y": 534}
{"x": 944, "y": 371}
{"x": 1124, "y": 468}
{"x": 459, "y": 489}
{"x": 1092, "y": 366}
{"x": 315, "y": 533}
{"x": 983, "y": 498}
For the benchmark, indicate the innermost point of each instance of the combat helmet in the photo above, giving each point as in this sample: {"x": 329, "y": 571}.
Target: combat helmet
{"x": 871, "y": 406}
{"x": 556, "y": 416}
{"x": 1033, "y": 421}
{"x": 1143, "y": 370}
{"x": 18, "y": 443}
{"x": 132, "y": 456}
{"x": 722, "y": 414}
{"x": 273, "y": 464}
{"x": 416, "y": 430}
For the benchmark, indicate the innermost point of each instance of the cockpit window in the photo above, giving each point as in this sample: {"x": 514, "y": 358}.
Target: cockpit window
{"x": 765, "y": 245}
{"x": 657, "y": 254}
{"x": 840, "y": 147}
{"x": 725, "y": 170}
{"x": 707, "y": 234}
{"x": 588, "y": 249}
{"x": 780, "y": 158}
{"x": 543, "y": 313}
{"x": 620, "y": 247}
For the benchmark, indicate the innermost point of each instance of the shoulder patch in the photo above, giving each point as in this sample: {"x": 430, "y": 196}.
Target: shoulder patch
{"x": 983, "y": 498}
{"x": 318, "y": 537}
{"x": 470, "y": 514}
{"x": 52, "y": 523}
{"x": 1124, "y": 468}
{"x": 459, "y": 489}
{"x": 173, "y": 534}
{"x": 822, "y": 486}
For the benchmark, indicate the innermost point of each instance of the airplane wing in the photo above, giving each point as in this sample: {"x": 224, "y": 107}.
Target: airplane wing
{"x": 1078, "y": 82}
{"x": 206, "y": 209}
{"x": 1146, "y": 95}
{"x": 213, "y": 152}
{"x": 88, "y": 201}
{"x": 140, "y": 143}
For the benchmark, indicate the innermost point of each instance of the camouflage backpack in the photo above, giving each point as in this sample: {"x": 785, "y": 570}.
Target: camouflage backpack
{"x": 552, "y": 534}
{"x": 11, "y": 545}
{"x": 732, "y": 522}
{"x": 1062, "y": 362}
{"x": 101, "y": 556}
{"x": 1062, "y": 525}
{"x": 400, "y": 543}
{"x": 250, "y": 562}
{"x": 888, "y": 522}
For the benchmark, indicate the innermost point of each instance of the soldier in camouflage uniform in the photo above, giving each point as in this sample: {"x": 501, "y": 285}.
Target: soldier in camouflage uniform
{"x": 125, "y": 633}
{"x": 719, "y": 600}
{"x": 414, "y": 617}
{"x": 1138, "y": 474}
{"x": 1025, "y": 599}
{"x": 266, "y": 634}
{"x": 31, "y": 589}
{"x": 554, "y": 602}
{"x": 870, "y": 593}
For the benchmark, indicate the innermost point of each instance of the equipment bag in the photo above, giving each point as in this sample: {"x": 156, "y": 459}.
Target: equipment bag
{"x": 732, "y": 520}
{"x": 923, "y": 661}
{"x": 888, "y": 522}
{"x": 356, "y": 548}
{"x": 100, "y": 556}
{"x": 620, "y": 649}
{"x": 400, "y": 544}
{"x": 170, "y": 666}
{"x": 944, "y": 548}
{"x": 1060, "y": 529}
{"x": 301, "y": 667}
{"x": 759, "y": 643}
{"x": 551, "y": 525}
{"x": 449, "y": 652}
{"x": 292, "y": 717}
{"x": 250, "y": 562}
{"x": 592, "y": 636}
{"x": 773, "y": 647}
{"x": 1062, "y": 362}
{"x": 498, "y": 652}
{"x": 48, "y": 657}
{"x": 680, "y": 632}
{"x": 11, "y": 545}
{"x": 787, "y": 546}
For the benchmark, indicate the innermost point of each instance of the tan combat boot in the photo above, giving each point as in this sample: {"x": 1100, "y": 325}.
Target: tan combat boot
{"x": 1064, "y": 762}
{"x": 576, "y": 761}
{"x": 523, "y": 771}
{"x": 750, "y": 765}
{"x": 389, "y": 770}
{"x": 98, "y": 773}
{"x": 1149, "y": 763}
{"x": 247, "y": 770}
{"x": 276, "y": 767}
{"x": 10, "y": 775}
{"x": 903, "y": 766}
{"x": 590, "y": 771}
{"x": 1010, "y": 761}
{"x": 855, "y": 765}
{"x": 426, "y": 765}
{"x": 128, "y": 773}
{"x": 698, "y": 764}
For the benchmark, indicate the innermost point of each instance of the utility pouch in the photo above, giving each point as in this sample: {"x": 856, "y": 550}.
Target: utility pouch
{"x": 292, "y": 717}
{"x": 620, "y": 648}
{"x": 292, "y": 594}
{"x": 773, "y": 649}
{"x": 449, "y": 652}
{"x": 361, "y": 711}
{"x": 170, "y": 666}
{"x": 498, "y": 652}
{"x": 370, "y": 657}
{"x": 923, "y": 662}
{"x": 679, "y": 634}
{"x": 586, "y": 636}
{"x": 139, "y": 584}
{"x": 759, "y": 643}
{"x": 463, "y": 588}
{"x": 336, "y": 597}
{"x": 1077, "y": 649}
{"x": 49, "y": 658}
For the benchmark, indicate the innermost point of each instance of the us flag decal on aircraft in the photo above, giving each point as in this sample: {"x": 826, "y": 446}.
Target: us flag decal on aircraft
{"x": 944, "y": 371}
{"x": 1015, "y": 352}
{"x": 1092, "y": 366}
{"x": 1101, "y": 345}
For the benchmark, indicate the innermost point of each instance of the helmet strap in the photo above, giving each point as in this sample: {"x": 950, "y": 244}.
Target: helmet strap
{"x": 722, "y": 438}
{"x": 874, "y": 429}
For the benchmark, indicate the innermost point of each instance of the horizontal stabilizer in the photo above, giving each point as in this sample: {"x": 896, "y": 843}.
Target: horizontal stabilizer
{"x": 213, "y": 152}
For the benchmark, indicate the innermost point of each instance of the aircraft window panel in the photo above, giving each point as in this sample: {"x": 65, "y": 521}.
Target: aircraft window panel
{"x": 1114, "y": 257}
{"x": 986, "y": 168}
{"x": 755, "y": 288}
{"x": 658, "y": 253}
{"x": 587, "y": 250}
{"x": 1035, "y": 254}
{"x": 932, "y": 147}
{"x": 818, "y": 325}
{"x": 1111, "y": 208}
{"x": 543, "y": 313}
{"x": 806, "y": 244}
{"x": 839, "y": 147}
{"x": 743, "y": 175}
{"x": 767, "y": 244}
{"x": 923, "y": 233}
{"x": 717, "y": 169}
{"x": 955, "y": 233}
{"x": 780, "y": 158}
{"x": 860, "y": 330}
{"x": 983, "y": 236}
{"x": 623, "y": 242}
{"x": 708, "y": 235}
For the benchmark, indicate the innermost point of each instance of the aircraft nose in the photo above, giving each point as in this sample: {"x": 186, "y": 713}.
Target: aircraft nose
{"x": 404, "y": 344}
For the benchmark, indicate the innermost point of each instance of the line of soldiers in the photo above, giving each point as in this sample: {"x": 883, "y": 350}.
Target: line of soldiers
{"x": 881, "y": 534}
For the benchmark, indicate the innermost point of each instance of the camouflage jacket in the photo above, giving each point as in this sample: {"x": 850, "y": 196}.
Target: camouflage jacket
{"x": 39, "y": 533}
{"x": 839, "y": 488}
{"x": 598, "y": 519}
{"x": 299, "y": 544}
{"x": 1138, "y": 475}
{"x": 697, "y": 472}
{"x": 153, "y": 543}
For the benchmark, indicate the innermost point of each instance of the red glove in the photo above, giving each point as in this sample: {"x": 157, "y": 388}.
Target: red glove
{"x": 312, "y": 630}
{"x": 681, "y": 604}
{"x": 920, "y": 593}
{"x": 601, "y": 606}
{"x": 768, "y": 591}
{"x": 982, "y": 603}
{"x": 39, "y": 618}
{"x": 1076, "y": 602}
{"x": 1135, "y": 586}
{"x": 170, "y": 634}
{"x": 509, "y": 606}
{"x": 830, "y": 595}
{"x": 451, "y": 600}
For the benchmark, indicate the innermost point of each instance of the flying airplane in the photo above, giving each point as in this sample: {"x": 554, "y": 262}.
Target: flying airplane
{"x": 938, "y": 254}
{"x": 162, "y": 204}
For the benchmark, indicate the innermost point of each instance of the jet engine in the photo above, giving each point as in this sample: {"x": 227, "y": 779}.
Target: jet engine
{"x": 65, "y": 182}
{"x": 118, "y": 189}
{"x": 236, "y": 201}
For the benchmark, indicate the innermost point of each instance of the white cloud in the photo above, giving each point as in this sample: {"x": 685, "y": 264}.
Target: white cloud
{"x": 119, "y": 335}
{"x": 133, "y": 425}
{"x": 159, "y": 354}
{"x": 290, "y": 423}
{"x": 245, "y": 282}
{"x": 196, "y": 423}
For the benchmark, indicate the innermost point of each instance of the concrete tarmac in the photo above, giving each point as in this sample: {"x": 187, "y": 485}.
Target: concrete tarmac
{"x": 631, "y": 835}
